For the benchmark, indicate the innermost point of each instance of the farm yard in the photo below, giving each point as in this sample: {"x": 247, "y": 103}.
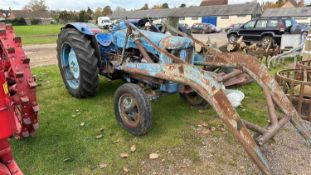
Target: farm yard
{"x": 81, "y": 136}
{"x": 69, "y": 130}
{"x": 151, "y": 88}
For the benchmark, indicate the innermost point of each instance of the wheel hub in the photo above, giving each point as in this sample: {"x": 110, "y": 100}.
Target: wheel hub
{"x": 129, "y": 111}
{"x": 73, "y": 64}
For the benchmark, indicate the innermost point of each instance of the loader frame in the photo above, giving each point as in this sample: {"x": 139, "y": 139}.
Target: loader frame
{"x": 205, "y": 84}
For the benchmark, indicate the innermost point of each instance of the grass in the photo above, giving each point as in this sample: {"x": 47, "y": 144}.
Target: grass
{"x": 38, "y": 34}
{"x": 63, "y": 147}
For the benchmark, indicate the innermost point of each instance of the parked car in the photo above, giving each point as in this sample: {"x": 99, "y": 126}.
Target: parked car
{"x": 104, "y": 22}
{"x": 184, "y": 28}
{"x": 233, "y": 26}
{"x": 202, "y": 28}
{"x": 266, "y": 30}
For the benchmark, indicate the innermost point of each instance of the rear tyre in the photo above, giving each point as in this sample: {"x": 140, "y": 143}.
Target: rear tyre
{"x": 77, "y": 63}
{"x": 266, "y": 41}
{"x": 132, "y": 109}
{"x": 232, "y": 38}
{"x": 195, "y": 100}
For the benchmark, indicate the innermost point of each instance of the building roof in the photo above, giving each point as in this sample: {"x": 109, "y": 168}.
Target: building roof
{"x": 217, "y": 10}
{"x": 27, "y": 14}
{"x": 214, "y": 2}
{"x": 294, "y": 12}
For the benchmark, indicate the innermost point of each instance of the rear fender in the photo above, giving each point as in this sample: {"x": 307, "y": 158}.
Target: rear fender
{"x": 85, "y": 28}
{"x": 90, "y": 31}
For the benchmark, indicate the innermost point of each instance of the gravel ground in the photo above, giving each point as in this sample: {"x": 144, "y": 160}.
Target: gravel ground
{"x": 221, "y": 154}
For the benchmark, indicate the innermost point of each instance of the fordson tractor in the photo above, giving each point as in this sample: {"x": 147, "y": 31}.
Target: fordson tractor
{"x": 156, "y": 64}
{"x": 18, "y": 103}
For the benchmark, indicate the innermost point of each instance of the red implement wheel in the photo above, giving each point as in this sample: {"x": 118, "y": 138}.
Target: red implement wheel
{"x": 22, "y": 85}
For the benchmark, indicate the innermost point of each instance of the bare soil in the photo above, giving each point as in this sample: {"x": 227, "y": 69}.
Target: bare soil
{"x": 219, "y": 154}
{"x": 41, "y": 55}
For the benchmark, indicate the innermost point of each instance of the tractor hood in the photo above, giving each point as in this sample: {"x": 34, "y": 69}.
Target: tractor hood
{"x": 165, "y": 41}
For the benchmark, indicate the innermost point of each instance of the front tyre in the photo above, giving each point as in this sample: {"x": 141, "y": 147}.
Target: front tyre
{"x": 77, "y": 63}
{"x": 132, "y": 109}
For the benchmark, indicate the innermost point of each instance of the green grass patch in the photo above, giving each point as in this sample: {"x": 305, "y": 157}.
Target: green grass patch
{"x": 38, "y": 34}
{"x": 63, "y": 147}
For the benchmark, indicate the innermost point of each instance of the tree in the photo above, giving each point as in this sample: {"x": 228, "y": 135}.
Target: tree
{"x": 83, "y": 17}
{"x": 182, "y": 5}
{"x": 145, "y": 7}
{"x": 63, "y": 16}
{"x": 279, "y": 3}
{"x": 301, "y": 3}
{"x": 157, "y": 6}
{"x": 89, "y": 11}
{"x": 165, "y": 6}
{"x": 107, "y": 11}
{"x": 37, "y": 5}
{"x": 119, "y": 9}
{"x": 98, "y": 13}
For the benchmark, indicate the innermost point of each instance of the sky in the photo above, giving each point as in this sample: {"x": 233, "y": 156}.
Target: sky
{"x": 128, "y": 4}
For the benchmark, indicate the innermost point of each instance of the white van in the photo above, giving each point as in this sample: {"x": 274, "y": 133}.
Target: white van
{"x": 104, "y": 22}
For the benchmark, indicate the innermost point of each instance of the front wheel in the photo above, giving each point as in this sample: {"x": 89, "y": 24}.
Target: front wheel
{"x": 77, "y": 63}
{"x": 132, "y": 109}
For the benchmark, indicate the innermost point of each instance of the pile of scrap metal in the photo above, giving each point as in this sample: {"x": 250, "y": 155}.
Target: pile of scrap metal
{"x": 270, "y": 53}
{"x": 296, "y": 83}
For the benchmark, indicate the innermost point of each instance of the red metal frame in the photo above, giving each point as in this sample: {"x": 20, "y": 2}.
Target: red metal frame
{"x": 22, "y": 84}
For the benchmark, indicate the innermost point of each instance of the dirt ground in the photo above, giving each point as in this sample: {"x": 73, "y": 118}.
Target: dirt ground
{"x": 41, "y": 55}
{"x": 288, "y": 154}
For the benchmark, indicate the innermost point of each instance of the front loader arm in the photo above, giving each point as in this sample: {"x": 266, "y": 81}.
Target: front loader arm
{"x": 204, "y": 84}
{"x": 260, "y": 73}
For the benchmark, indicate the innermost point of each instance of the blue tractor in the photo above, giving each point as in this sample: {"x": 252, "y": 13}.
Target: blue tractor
{"x": 84, "y": 52}
{"x": 154, "y": 64}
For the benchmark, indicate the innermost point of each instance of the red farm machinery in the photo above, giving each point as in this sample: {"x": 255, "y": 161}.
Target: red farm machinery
{"x": 18, "y": 103}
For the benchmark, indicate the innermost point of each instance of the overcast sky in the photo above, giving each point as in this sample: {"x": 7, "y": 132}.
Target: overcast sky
{"x": 128, "y": 4}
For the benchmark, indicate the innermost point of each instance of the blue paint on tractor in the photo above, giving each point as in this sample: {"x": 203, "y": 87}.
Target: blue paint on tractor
{"x": 70, "y": 63}
{"x": 112, "y": 43}
{"x": 85, "y": 28}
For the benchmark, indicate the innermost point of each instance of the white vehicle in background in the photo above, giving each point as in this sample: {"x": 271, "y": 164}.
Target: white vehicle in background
{"x": 104, "y": 22}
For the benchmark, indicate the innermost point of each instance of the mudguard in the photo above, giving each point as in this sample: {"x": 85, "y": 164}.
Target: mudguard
{"x": 85, "y": 28}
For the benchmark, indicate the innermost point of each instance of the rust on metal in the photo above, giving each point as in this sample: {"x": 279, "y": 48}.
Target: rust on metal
{"x": 206, "y": 84}
{"x": 296, "y": 83}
